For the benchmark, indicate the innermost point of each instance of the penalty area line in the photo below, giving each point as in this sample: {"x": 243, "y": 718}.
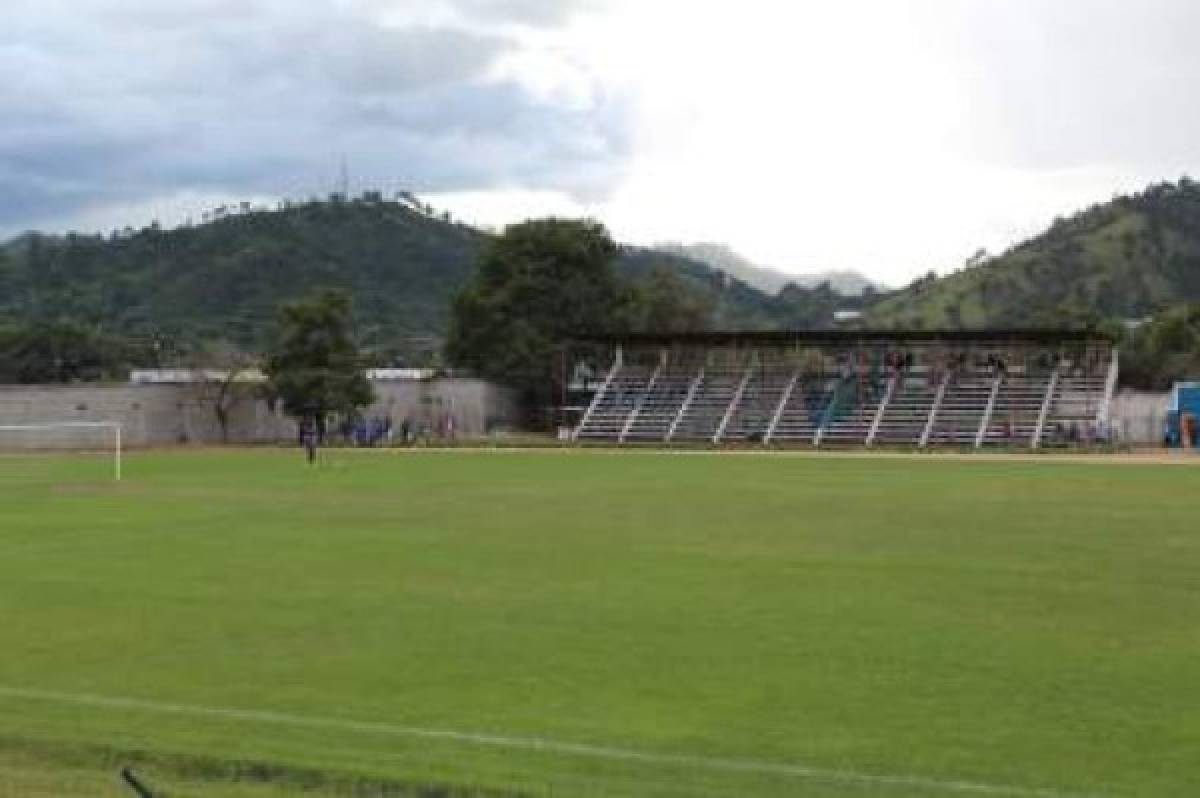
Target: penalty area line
{"x": 536, "y": 744}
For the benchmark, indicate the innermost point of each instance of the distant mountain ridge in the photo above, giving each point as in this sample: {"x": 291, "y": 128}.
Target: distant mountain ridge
{"x": 770, "y": 281}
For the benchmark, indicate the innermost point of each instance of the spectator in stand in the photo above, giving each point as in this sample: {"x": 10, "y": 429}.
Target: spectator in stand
{"x": 895, "y": 363}
{"x": 934, "y": 372}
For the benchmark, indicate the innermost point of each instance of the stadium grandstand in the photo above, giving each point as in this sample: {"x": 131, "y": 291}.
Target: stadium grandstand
{"x": 964, "y": 389}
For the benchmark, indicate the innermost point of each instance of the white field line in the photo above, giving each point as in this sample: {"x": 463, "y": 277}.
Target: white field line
{"x": 539, "y": 744}
{"x": 1050, "y": 458}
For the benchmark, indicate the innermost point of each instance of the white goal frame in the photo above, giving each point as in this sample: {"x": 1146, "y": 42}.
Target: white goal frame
{"x": 52, "y": 425}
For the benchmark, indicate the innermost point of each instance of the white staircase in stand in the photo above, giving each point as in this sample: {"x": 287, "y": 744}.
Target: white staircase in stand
{"x": 693, "y": 387}
{"x": 754, "y": 415}
{"x": 1079, "y": 409}
{"x": 660, "y": 407}
{"x": 780, "y": 408}
{"x": 986, "y": 421}
{"x": 703, "y": 416}
{"x": 611, "y": 408}
{"x": 882, "y": 410}
{"x": 1017, "y": 411}
{"x": 1044, "y": 413}
{"x": 802, "y": 410}
{"x": 587, "y": 416}
{"x": 733, "y": 404}
{"x": 854, "y": 412}
{"x": 933, "y": 412}
{"x": 908, "y": 412}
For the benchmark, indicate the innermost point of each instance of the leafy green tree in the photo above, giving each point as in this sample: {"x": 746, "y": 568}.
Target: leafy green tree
{"x": 1163, "y": 351}
{"x": 63, "y": 351}
{"x": 664, "y": 302}
{"x": 538, "y": 285}
{"x": 317, "y": 368}
{"x": 811, "y": 308}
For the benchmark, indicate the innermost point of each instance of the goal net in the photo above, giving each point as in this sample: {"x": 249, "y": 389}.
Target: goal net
{"x": 86, "y": 447}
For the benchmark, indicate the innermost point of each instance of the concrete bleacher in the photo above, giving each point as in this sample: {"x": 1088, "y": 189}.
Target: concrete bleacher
{"x": 701, "y": 419}
{"x": 963, "y": 407}
{"x": 652, "y": 418}
{"x": 1077, "y": 403}
{"x": 750, "y": 420}
{"x": 1015, "y": 414}
{"x": 737, "y": 396}
{"x": 852, "y": 414}
{"x": 907, "y": 412}
{"x": 614, "y": 403}
{"x": 802, "y": 413}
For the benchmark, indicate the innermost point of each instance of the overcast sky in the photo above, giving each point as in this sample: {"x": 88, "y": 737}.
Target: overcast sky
{"x": 890, "y": 136}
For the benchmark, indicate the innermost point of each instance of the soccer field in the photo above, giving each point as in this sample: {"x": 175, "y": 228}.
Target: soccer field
{"x": 599, "y": 624}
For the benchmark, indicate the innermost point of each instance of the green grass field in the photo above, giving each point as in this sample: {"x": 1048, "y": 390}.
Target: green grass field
{"x": 599, "y": 624}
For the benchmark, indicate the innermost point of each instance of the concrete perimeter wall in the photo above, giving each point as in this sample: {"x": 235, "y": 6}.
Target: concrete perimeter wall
{"x": 167, "y": 415}
{"x": 1140, "y": 416}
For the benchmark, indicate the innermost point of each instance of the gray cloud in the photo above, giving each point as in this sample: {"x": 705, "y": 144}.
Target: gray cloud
{"x": 124, "y": 101}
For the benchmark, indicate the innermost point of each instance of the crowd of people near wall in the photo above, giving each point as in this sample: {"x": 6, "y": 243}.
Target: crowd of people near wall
{"x": 382, "y": 431}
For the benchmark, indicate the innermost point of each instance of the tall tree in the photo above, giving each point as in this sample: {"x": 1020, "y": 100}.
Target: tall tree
{"x": 664, "y": 302}
{"x": 317, "y": 368}
{"x": 538, "y": 285}
{"x": 63, "y": 351}
{"x": 223, "y": 369}
{"x": 1163, "y": 351}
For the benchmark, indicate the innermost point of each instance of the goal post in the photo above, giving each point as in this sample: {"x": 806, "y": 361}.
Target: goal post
{"x": 63, "y": 436}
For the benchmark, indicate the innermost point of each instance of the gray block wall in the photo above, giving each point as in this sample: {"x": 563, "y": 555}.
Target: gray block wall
{"x": 170, "y": 415}
{"x": 1140, "y": 417}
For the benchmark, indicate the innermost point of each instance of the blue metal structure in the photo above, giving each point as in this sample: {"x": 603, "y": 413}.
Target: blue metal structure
{"x": 1185, "y": 401}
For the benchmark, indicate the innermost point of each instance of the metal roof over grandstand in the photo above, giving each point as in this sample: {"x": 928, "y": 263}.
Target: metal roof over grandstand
{"x": 791, "y": 337}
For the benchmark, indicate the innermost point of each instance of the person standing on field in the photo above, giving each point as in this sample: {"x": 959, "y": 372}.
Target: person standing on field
{"x": 308, "y": 437}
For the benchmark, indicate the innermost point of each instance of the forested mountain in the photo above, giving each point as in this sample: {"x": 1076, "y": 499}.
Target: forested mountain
{"x": 1129, "y": 258}
{"x": 171, "y": 291}
{"x": 733, "y": 304}
{"x": 226, "y": 279}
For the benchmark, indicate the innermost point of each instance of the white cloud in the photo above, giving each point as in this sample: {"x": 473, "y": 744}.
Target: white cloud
{"x": 892, "y": 136}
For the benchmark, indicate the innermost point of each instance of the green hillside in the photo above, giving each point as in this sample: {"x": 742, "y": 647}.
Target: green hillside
{"x": 225, "y": 279}
{"x": 736, "y": 305}
{"x": 1129, "y": 258}
{"x": 403, "y": 264}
